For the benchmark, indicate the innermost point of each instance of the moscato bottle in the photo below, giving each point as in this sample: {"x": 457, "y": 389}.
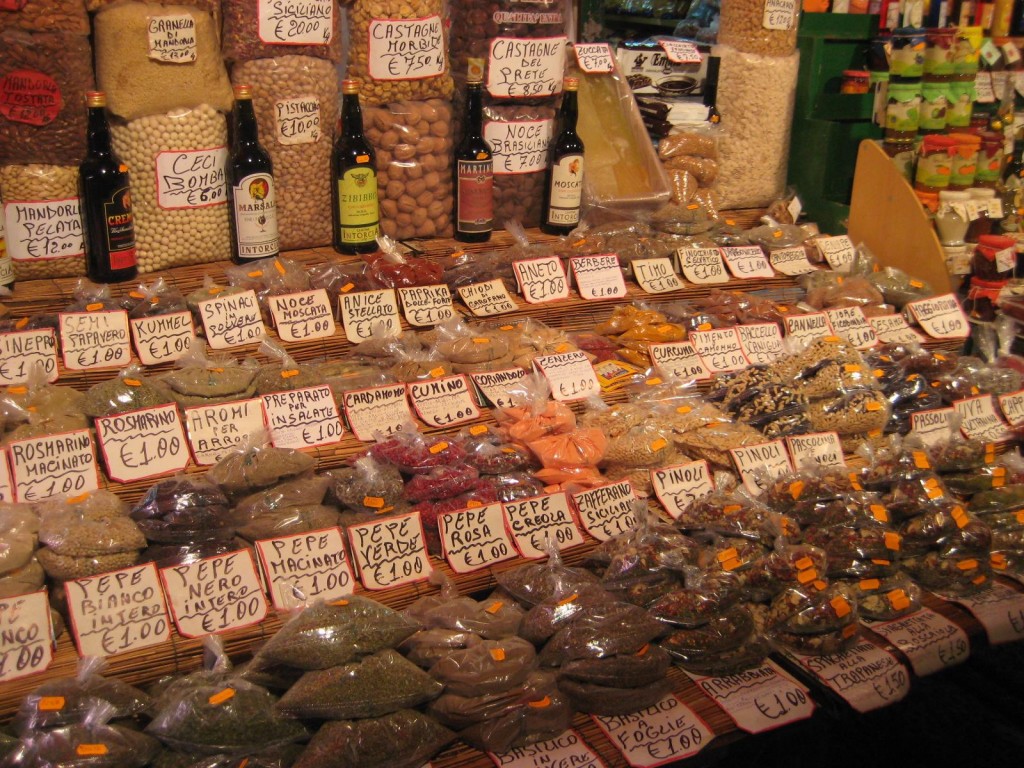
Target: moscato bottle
{"x": 251, "y": 186}
{"x": 354, "y": 180}
{"x": 563, "y": 190}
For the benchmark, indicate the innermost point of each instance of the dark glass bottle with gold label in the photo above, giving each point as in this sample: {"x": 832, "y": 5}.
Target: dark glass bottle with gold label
{"x": 354, "y": 180}
{"x": 563, "y": 190}
{"x": 251, "y": 188}
{"x": 105, "y": 191}
{"x": 474, "y": 173}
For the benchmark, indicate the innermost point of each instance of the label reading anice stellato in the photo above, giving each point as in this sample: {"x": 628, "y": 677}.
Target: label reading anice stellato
{"x": 370, "y": 313}
{"x": 406, "y": 49}
{"x": 298, "y": 120}
{"x": 55, "y": 465}
{"x": 22, "y": 351}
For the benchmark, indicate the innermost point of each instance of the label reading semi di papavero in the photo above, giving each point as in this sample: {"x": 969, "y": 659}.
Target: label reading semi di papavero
{"x": 95, "y": 339}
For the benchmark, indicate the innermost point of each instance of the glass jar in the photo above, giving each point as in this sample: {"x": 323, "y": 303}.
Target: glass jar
{"x": 855, "y": 81}
{"x": 934, "y": 102}
{"x": 965, "y": 160}
{"x": 966, "y": 50}
{"x": 981, "y": 197}
{"x": 903, "y": 153}
{"x": 990, "y": 160}
{"x": 907, "y": 52}
{"x": 960, "y": 93}
{"x": 951, "y": 219}
{"x": 938, "y": 51}
{"x": 934, "y": 163}
{"x": 995, "y": 258}
{"x": 982, "y": 299}
{"x": 903, "y": 111}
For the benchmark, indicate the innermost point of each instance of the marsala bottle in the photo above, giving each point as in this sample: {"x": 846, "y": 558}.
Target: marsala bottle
{"x": 251, "y": 187}
{"x": 563, "y": 188}
{"x": 474, "y": 173}
{"x": 105, "y": 192}
{"x": 354, "y": 180}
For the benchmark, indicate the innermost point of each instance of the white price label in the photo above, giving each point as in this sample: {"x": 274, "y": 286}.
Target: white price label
{"x": 95, "y": 339}
{"x": 933, "y": 427}
{"x": 1000, "y": 610}
{"x": 6, "y": 486}
{"x": 664, "y": 733}
{"x": 390, "y": 552}
{"x": 496, "y": 386}
{"x": 893, "y": 329}
{"x": 930, "y": 641}
{"x": 780, "y": 14}
{"x": 47, "y": 229}
{"x": 568, "y": 749}
{"x": 606, "y": 511}
{"x": 191, "y": 178}
{"x": 22, "y": 351}
{"x": 232, "y": 321}
{"x": 990, "y": 52}
{"x": 1006, "y": 259}
{"x": 301, "y": 316}
{"x": 377, "y": 409}
{"x": 678, "y": 359}
{"x": 980, "y": 421}
{"x": 488, "y": 298}
{"x": 985, "y": 92}
{"x": 444, "y": 402}
{"x": 570, "y": 375}
{"x": 55, "y": 465}
{"x": 1012, "y": 406}
{"x": 850, "y": 324}
{"x": 533, "y": 522}
{"x": 760, "y": 699}
{"x": 656, "y": 275}
{"x": 808, "y": 328}
{"x": 598, "y": 277}
{"x": 307, "y": 23}
{"x": 519, "y": 146}
{"x": 406, "y": 49}
{"x": 541, "y": 280}
{"x": 142, "y": 444}
{"x": 702, "y": 266}
{"x": 172, "y": 38}
{"x": 680, "y": 51}
{"x": 761, "y": 342}
{"x": 747, "y": 262}
{"x": 26, "y": 636}
{"x": 820, "y": 449}
{"x": 791, "y": 261}
{"x": 427, "y": 305}
{"x": 306, "y": 566}
{"x": 475, "y": 538}
{"x": 302, "y": 418}
{"x": 678, "y": 486}
{"x": 521, "y": 68}
{"x": 162, "y": 338}
{"x": 759, "y": 465}
{"x": 370, "y": 314}
{"x": 1011, "y": 52}
{"x": 213, "y": 430}
{"x": 838, "y": 251}
{"x": 941, "y": 317}
{"x": 594, "y": 58}
{"x": 215, "y": 594}
{"x": 298, "y": 120}
{"x": 866, "y": 676}
{"x": 720, "y": 349}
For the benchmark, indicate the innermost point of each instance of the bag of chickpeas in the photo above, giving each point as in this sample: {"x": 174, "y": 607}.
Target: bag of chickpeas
{"x": 265, "y": 29}
{"x": 398, "y": 50}
{"x": 519, "y": 136}
{"x": 296, "y": 103}
{"x": 413, "y": 143}
{"x": 179, "y": 186}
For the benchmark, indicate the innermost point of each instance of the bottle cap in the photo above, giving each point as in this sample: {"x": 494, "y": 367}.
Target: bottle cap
{"x": 243, "y": 91}
{"x": 474, "y": 79}
{"x": 349, "y": 86}
{"x": 571, "y": 83}
{"x": 95, "y": 99}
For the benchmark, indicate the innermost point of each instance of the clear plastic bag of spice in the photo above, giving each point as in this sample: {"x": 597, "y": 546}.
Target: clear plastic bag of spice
{"x": 203, "y": 380}
{"x": 252, "y": 465}
{"x": 403, "y": 739}
{"x": 282, "y": 372}
{"x": 154, "y": 299}
{"x": 617, "y": 628}
{"x": 92, "y": 743}
{"x": 129, "y": 391}
{"x": 533, "y": 583}
{"x": 96, "y": 524}
{"x": 184, "y": 509}
{"x": 491, "y": 666}
{"x": 269, "y": 277}
{"x": 415, "y": 453}
{"x": 490, "y": 619}
{"x": 365, "y": 486}
{"x": 612, "y": 701}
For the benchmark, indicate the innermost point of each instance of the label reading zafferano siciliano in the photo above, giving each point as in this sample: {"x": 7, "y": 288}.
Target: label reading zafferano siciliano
{"x": 357, "y": 201}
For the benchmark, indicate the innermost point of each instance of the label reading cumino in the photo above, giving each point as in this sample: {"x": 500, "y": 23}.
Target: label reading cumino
{"x": 566, "y": 191}
{"x": 476, "y": 202}
{"x": 255, "y": 201}
{"x": 357, "y": 201}
{"x": 119, "y": 223}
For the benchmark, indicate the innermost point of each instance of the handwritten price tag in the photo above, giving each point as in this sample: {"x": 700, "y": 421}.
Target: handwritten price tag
{"x": 565, "y": 750}
{"x": 930, "y": 641}
{"x": 390, "y": 552}
{"x": 298, "y": 120}
{"x": 427, "y": 305}
{"x": 519, "y": 146}
{"x": 191, "y": 178}
{"x": 118, "y": 612}
{"x": 1000, "y": 610}
{"x": 759, "y": 465}
{"x": 594, "y": 58}
{"x": 598, "y": 277}
{"x": 231, "y": 321}
{"x": 378, "y": 409}
{"x": 474, "y": 538}
{"x": 95, "y": 339}
{"x": 791, "y": 261}
{"x": 979, "y": 420}
{"x": 534, "y": 521}
{"x": 366, "y": 314}
{"x": 300, "y": 316}
{"x": 866, "y": 676}
{"x": 808, "y": 328}
{"x": 779, "y": 14}
{"x": 1012, "y": 406}
{"x": 172, "y": 38}
{"x": 678, "y": 359}
{"x": 310, "y": 23}
{"x": 761, "y": 342}
{"x": 488, "y": 298}
{"x": 570, "y": 375}
{"x": 893, "y": 329}
{"x": 759, "y": 700}
{"x": 162, "y": 338}
{"x": 406, "y": 49}
{"x": 541, "y": 280}
{"x": 662, "y": 734}
{"x": 933, "y": 427}
{"x": 525, "y": 67}
{"x": 215, "y": 594}
{"x": 606, "y": 511}
{"x": 850, "y": 324}
{"x": 26, "y": 636}
{"x": 21, "y": 351}
{"x": 142, "y": 444}
{"x": 820, "y": 449}
{"x": 678, "y": 486}
{"x": 213, "y": 430}
{"x": 837, "y": 251}
{"x": 720, "y": 349}
{"x": 941, "y": 317}
{"x": 747, "y": 262}
{"x": 656, "y": 275}
{"x": 680, "y": 52}
{"x": 303, "y": 418}
{"x": 6, "y": 486}
{"x": 56, "y": 465}
{"x": 496, "y": 386}
{"x": 61, "y": 238}
{"x": 444, "y": 402}
{"x": 306, "y": 566}
{"x": 702, "y": 266}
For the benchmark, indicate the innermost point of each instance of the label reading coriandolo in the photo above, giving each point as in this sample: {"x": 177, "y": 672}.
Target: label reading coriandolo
{"x": 893, "y": 329}
{"x": 850, "y": 324}
{"x": 306, "y": 566}
{"x": 301, "y": 316}
{"x": 761, "y": 342}
{"x": 26, "y": 636}
{"x": 678, "y": 486}
{"x": 570, "y": 375}
{"x": 390, "y": 552}
{"x": 141, "y": 444}
{"x": 213, "y": 430}
{"x": 606, "y": 511}
{"x": 678, "y": 359}
{"x": 535, "y": 521}
{"x": 215, "y": 594}
{"x": 759, "y": 465}
{"x": 406, "y": 49}
{"x": 427, "y": 305}
{"x": 444, "y": 402}
{"x": 475, "y": 537}
{"x": 191, "y": 178}
{"x": 162, "y": 338}
{"x": 498, "y": 386}
{"x": 819, "y": 449}
{"x": 807, "y": 328}
{"x": 525, "y": 67}
{"x": 664, "y": 733}
{"x": 118, "y": 611}
{"x": 366, "y": 314}
{"x": 231, "y": 321}
{"x": 55, "y": 465}
{"x": 541, "y": 280}
{"x": 929, "y": 640}
{"x": 747, "y": 262}
{"x": 488, "y": 298}
{"x": 933, "y": 427}
{"x": 377, "y": 409}
{"x": 702, "y": 266}
{"x": 22, "y": 351}
{"x": 791, "y": 261}
{"x": 91, "y": 340}
{"x": 941, "y": 317}
{"x": 656, "y": 275}
{"x": 760, "y": 699}
{"x": 720, "y": 349}
{"x": 598, "y": 277}
{"x": 172, "y": 38}
{"x": 302, "y": 418}
{"x": 307, "y": 23}
{"x": 564, "y": 751}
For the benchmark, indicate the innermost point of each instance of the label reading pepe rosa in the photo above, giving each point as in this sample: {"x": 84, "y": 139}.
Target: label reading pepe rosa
{"x": 30, "y": 97}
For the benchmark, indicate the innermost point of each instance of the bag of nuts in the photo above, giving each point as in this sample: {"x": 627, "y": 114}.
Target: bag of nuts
{"x": 519, "y": 136}
{"x": 152, "y": 58}
{"x": 398, "y": 50}
{"x": 259, "y": 29}
{"x": 212, "y": 6}
{"x": 178, "y": 163}
{"x": 413, "y": 143}
{"x": 44, "y": 223}
{"x": 765, "y": 27}
{"x": 43, "y": 80}
{"x": 46, "y": 16}
{"x": 296, "y": 103}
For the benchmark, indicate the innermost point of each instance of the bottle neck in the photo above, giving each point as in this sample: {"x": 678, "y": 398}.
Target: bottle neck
{"x": 351, "y": 117}
{"x": 246, "y": 131}
{"x": 98, "y": 133}
{"x": 474, "y": 110}
{"x": 569, "y": 112}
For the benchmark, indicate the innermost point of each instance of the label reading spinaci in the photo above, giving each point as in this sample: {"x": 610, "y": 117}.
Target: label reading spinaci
{"x": 232, "y": 320}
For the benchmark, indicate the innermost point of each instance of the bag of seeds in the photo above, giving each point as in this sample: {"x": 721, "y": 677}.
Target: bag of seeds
{"x": 403, "y": 739}
{"x": 153, "y": 299}
{"x": 252, "y": 465}
{"x": 367, "y": 486}
{"x": 555, "y": 612}
{"x": 491, "y": 666}
{"x": 93, "y": 743}
{"x": 282, "y": 373}
{"x": 490, "y": 619}
{"x": 266, "y": 30}
{"x": 886, "y": 599}
{"x": 328, "y": 634}
{"x": 705, "y": 595}
{"x": 414, "y": 453}
{"x": 18, "y": 528}
{"x": 728, "y": 642}
{"x": 293, "y": 506}
{"x": 619, "y": 628}
{"x": 275, "y": 276}
{"x": 96, "y": 523}
{"x": 532, "y": 583}
{"x": 373, "y": 686}
{"x": 202, "y": 380}
{"x": 519, "y": 137}
{"x": 38, "y": 408}
{"x": 47, "y": 16}
{"x": 129, "y": 391}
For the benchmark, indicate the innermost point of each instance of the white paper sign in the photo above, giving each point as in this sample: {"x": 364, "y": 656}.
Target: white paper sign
{"x": 662, "y": 734}
{"x": 306, "y": 566}
{"x": 747, "y": 262}
{"x": 1000, "y": 610}
{"x": 303, "y": 418}
{"x": 594, "y": 58}
{"x": 6, "y": 485}
{"x": 760, "y": 699}
{"x": 983, "y": 88}
{"x": 720, "y": 349}
{"x": 808, "y": 328}
{"x": 933, "y": 427}
{"x": 929, "y": 640}
{"x": 678, "y": 359}
{"x": 656, "y": 275}
{"x": 307, "y": 23}
{"x": 406, "y": 49}
{"x": 213, "y": 430}
{"x": 191, "y": 178}
{"x": 215, "y": 594}
{"x": 541, "y": 280}
{"x": 534, "y": 521}
{"x": 95, "y": 339}
{"x": 893, "y": 329}
{"x": 26, "y": 636}
{"x": 850, "y": 324}
{"x": 979, "y": 419}
{"x": 162, "y": 338}
{"x": 680, "y": 52}
{"x": 141, "y": 444}
{"x": 55, "y": 465}
{"x": 488, "y": 298}
{"x": 444, "y": 402}
{"x": 606, "y": 511}
{"x": 791, "y": 261}
{"x": 521, "y": 68}
{"x": 370, "y": 314}
{"x": 118, "y": 612}
{"x": 779, "y": 14}
{"x": 48, "y": 229}
{"x": 866, "y": 676}
{"x": 820, "y": 449}
{"x": 598, "y": 277}
{"x": 565, "y": 750}
{"x": 496, "y": 386}
{"x": 1011, "y": 52}
{"x": 761, "y": 342}
{"x": 475, "y": 538}
{"x": 941, "y": 317}
{"x": 1012, "y": 406}
{"x": 22, "y": 351}
{"x": 300, "y": 316}
{"x": 702, "y": 266}
{"x": 838, "y": 251}
{"x": 378, "y": 409}
{"x": 298, "y": 120}
{"x": 570, "y": 375}
{"x": 519, "y": 146}
{"x": 231, "y": 321}
{"x": 390, "y": 552}
{"x": 427, "y": 305}
{"x": 678, "y": 486}
{"x": 172, "y": 38}
{"x": 759, "y": 465}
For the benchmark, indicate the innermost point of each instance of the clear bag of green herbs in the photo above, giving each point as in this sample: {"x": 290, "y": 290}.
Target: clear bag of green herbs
{"x": 403, "y": 739}
{"x": 253, "y": 465}
{"x": 93, "y": 743}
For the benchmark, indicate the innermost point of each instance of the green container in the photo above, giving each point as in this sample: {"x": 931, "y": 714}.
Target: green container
{"x": 961, "y": 96}
{"x": 934, "y": 101}
{"x": 903, "y": 110}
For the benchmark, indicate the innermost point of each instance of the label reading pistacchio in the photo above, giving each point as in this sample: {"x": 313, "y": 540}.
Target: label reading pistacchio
{"x": 172, "y": 38}
{"x": 298, "y": 120}
{"x": 406, "y": 49}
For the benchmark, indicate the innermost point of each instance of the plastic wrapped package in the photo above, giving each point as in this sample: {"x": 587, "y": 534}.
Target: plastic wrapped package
{"x": 153, "y": 299}
{"x": 706, "y": 595}
{"x": 633, "y": 670}
{"x": 533, "y": 583}
{"x": 490, "y": 666}
{"x": 775, "y": 409}
{"x": 77, "y": 745}
{"x": 755, "y": 98}
{"x": 828, "y": 290}
{"x": 551, "y": 614}
{"x": 1007, "y": 498}
{"x": 886, "y": 599}
{"x": 142, "y": 78}
{"x": 690, "y": 158}
{"x": 179, "y": 220}
{"x": 787, "y": 566}
{"x": 296, "y": 104}
{"x": 367, "y": 486}
{"x": 754, "y": 26}
{"x": 129, "y": 391}
{"x": 274, "y": 276}
{"x": 29, "y": 578}
{"x": 389, "y": 73}
{"x": 389, "y": 268}
{"x": 808, "y": 610}
{"x": 610, "y": 702}
{"x": 826, "y": 368}
{"x": 201, "y": 380}
{"x": 83, "y": 537}
{"x": 898, "y": 288}
{"x": 853, "y": 412}
{"x": 619, "y": 628}
{"x": 713, "y": 441}
{"x": 403, "y": 739}
{"x": 184, "y": 509}
{"x": 519, "y": 165}
{"x": 48, "y": 16}
{"x": 42, "y": 189}
{"x": 725, "y": 645}
{"x": 254, "y": 31}
{"x": 428, "y": 646}
{"x": 491, "y": 619}
{"x": 250, "y": 466}
{"x": 949, "y": 574}
{"x": 282, "y": 373}
{"x": 414, "y": 453}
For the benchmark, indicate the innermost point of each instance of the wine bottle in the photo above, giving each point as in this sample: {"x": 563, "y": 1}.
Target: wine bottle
{"x": 253, "y": 193}
{"x": 563, "y": 188}
{"x": 6, "y": 264}
{"x": 474, "y": 173}
{"x": 355, "y": 209}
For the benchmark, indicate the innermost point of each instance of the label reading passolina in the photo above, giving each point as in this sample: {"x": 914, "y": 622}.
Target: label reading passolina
{"x": 357, "y": 205}
{"x": 255, "y": 204}
{"x": 566, "y": 191}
